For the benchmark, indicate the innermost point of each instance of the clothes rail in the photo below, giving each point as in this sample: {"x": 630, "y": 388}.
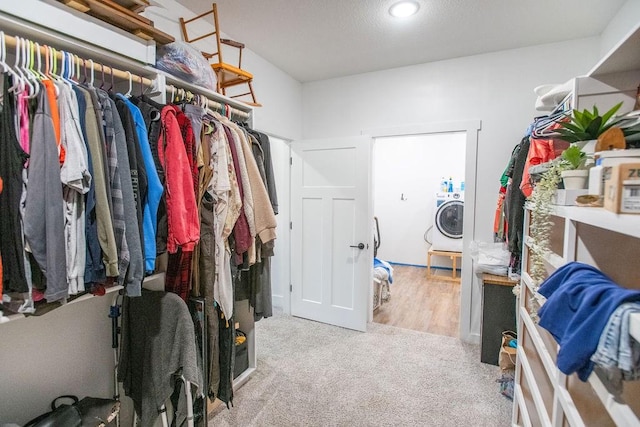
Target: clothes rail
{"x": 225, "y": 109}
{"x": 12, "y": 42}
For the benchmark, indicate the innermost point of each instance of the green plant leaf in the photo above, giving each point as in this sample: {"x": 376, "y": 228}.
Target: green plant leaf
{"x": 606, "y": 116}
{"x": 578, "y": 118}
{"x": 574, "y": 156}
{"x": 570, "y": 138}
{"x": 594, "y": 127}
{"x": 572, "y": 127}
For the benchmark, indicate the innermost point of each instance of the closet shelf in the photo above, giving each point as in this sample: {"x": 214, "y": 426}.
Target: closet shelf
{"x": 208, "y": 93}
{"x": 535, "y": 393}
{"x": 619, "y": 411}
{"x": 53, "y": 23}
{"x": 528, "y": 281}
{"x": 599, "y": 217}
{"x": 543, "y": 352}
{"x": 553, "y": 259}
{"x": 622, "y": 57}
{"x": 87, "y": 296}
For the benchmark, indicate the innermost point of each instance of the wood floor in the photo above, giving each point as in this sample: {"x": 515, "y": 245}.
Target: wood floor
{"x": 421, "y": 304}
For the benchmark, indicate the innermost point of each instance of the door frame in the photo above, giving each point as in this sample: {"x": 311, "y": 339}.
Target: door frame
{"x": 283, "y": 239}
{"x": 469, "y": 303}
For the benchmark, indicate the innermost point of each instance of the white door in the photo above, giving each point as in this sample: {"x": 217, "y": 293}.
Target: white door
{"x": 331, "y": 234}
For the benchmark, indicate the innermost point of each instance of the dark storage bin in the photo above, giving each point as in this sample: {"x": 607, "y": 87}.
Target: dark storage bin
{"x": 241, "y": 357}
{"x": 498, "y": 315}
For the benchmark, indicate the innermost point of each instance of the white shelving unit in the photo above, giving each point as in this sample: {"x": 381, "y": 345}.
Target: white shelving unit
{"x": 544, "y": 396}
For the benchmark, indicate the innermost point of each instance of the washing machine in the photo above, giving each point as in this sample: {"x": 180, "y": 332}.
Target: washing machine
{"x": 447, "y": 222}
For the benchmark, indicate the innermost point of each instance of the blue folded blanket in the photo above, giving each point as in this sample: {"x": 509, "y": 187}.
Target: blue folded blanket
{"x": 580, "y": 299}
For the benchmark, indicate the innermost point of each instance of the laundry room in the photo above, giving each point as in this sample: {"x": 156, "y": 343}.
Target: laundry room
{"x": 418, "y": 198}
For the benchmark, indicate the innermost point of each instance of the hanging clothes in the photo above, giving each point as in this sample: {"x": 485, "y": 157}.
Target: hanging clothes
{"x": 51, "y": 96}
{"x": 103, "y": 216}
{"x": 151, "y": 114}
{"x": 77, "y": 181}
{"x": 94, "y": 271}
{"x": 136, "y": 163}
{"x": 182, "y": 215}
{"x": 135, "y": 272}
{"x": 515, "y": 199}
{"x": 270, "y": 182}
{"x": 178, "y": 277}
{"x": 115, "y": 184}
{"x": 228, "y": 191}
{"x": 154, "y": 189}
{"x": 44, "y": 216}
{"x": 265, "y": 221}
{"x": 241, "y": 231}
{"x": 12, "y": 160}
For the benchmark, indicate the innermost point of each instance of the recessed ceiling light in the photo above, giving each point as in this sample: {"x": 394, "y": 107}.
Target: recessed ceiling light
{"x": 404, "y": 9}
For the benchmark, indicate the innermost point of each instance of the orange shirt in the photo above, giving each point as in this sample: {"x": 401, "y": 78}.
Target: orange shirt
{"x": 55, "y": 115}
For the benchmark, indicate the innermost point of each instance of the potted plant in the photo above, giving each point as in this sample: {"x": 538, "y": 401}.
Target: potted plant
{"x": 574, "y": 174}
{"x": 572, "y": 161}
{"x": 585, "y": 126}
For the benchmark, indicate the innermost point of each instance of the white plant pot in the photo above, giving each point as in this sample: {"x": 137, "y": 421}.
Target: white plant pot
{"x": 575, "y": 179}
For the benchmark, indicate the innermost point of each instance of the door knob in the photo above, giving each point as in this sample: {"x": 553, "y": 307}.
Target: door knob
{"x": 359, "y": 246}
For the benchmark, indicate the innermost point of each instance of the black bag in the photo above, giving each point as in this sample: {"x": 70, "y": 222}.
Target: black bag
{"x": 88, "y": 412}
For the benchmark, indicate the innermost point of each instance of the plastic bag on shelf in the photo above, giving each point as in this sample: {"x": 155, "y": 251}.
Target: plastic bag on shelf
{"x": 492, "y": 258}
{"x": 187, "y": 63}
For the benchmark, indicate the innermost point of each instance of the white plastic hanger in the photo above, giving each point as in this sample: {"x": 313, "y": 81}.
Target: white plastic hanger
{"x": 128, "y": 94}
{"x": 26, "y": 67}
{"x": 3, "y": 61}
{"x": 23, "y": 84}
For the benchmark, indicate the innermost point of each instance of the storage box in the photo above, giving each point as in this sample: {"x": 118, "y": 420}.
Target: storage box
{"x": 567, "y": 197}
{"x": 622, "y": 188}
{"x": 616, "y": 157}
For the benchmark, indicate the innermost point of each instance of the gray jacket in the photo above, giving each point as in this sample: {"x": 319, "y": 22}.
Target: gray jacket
{"x": 44, "y": 215}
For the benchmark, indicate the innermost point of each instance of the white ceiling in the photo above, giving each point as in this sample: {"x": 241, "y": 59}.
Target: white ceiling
{"x": 320, "y": 39}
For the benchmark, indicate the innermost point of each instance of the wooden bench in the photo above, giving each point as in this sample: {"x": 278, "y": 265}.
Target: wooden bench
{"x": 454, "y": 256}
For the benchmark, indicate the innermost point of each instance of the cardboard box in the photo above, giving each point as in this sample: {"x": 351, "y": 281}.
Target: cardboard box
{"x": 567, "y": 197}
{"x": 622, "y": 188}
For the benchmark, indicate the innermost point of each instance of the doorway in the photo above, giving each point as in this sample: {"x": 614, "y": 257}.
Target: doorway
{"x": 469, "y": 296}
{"x": 409, "y": 173}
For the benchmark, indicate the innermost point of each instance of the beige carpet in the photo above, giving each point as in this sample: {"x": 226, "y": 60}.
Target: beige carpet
{"x": 312, "y": 374}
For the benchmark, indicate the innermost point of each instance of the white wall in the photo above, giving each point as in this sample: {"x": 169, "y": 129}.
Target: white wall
{"x": 496, "y": 88}
{"x": 279, "y": 93}
{"x": 66, "y": 351}
{"x": 625, "y": 20}
{"x": 406, "y": 175}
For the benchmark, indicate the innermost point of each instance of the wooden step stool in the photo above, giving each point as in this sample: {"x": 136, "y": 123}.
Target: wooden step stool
{"x": 454, "y": 256}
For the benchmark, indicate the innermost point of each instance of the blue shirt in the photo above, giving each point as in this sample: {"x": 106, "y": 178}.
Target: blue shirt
{"x": 580, "y": 300}
{"x": 154, "y": 188}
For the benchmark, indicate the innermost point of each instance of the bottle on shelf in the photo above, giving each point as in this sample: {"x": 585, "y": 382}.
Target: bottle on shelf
{"x": 450, "y": 186}
{"x": 444, "y": 185}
